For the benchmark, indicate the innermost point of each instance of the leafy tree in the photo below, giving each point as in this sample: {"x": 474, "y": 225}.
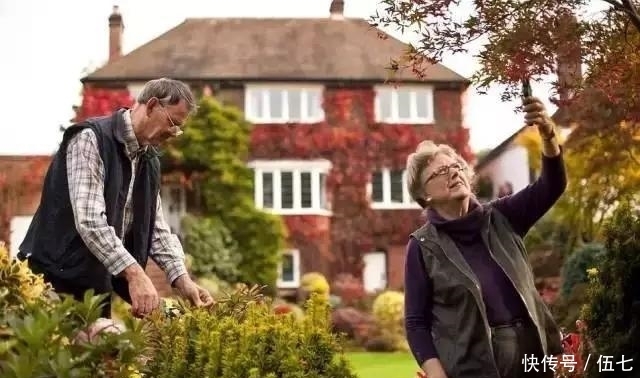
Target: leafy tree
{"x": 574, "y": 270}
{"x": 533, "y": 39}
{"x": 212, "y": 248}
{"x": 215, "y": 148}
{"x": 613, "y": 308}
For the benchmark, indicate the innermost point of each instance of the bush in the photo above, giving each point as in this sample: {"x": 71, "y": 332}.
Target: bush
{"x": 45, "y": 336}
{"x": 241, "y": 336}
{"x": 352, "y": 323}
{"x": 349, "y": 289}
{"x": 612, "y": 313}
{"x": 315, "y": 283}
{"x": 574, "y": 270}
{"x": 215, "y": 286}
{"x": 212, "y": 250}
{"x": 388, "y": 314}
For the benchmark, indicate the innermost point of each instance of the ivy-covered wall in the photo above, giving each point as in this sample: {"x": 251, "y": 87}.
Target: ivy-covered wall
{"x": 356, "y": 145}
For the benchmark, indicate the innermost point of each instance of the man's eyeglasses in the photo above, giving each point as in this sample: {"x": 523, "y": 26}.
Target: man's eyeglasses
{"x": 444, "y": 171}
{"x": 176, "y": 129}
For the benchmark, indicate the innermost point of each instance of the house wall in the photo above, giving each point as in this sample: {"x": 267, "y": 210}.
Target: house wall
{"x": 323, "y": 250}
{"x": 510, "y": 166}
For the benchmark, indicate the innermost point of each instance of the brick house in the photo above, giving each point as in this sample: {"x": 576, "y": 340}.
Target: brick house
{"x": 316, "y": 92}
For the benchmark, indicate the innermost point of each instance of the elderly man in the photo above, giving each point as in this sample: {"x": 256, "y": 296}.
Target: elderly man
{"x": 100, "y": 216}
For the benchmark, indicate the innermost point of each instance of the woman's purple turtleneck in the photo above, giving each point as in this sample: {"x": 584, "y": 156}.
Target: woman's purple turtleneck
{"x": 503, "y": 304}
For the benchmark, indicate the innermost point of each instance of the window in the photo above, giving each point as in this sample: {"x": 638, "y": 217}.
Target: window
{"x": 283, "y": 103}
{"x": 289, "y": 270}
{"x": 292, "y": 186}
{"x": 389, "y": 190}
{"x": 407, "y": 104}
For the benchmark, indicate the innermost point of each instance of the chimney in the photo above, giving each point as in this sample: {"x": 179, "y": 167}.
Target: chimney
{"x": 116, "y": 29}
{"x": 336, "y": 10}
{"x": 569, "y": 59}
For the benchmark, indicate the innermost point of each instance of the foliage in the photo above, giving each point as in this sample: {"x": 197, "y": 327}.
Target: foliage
{"x": 43, "y": 336}
{"x": 388, "y": 314}
{"x": 566, "y": 309}
{"x": 20, "y": 286}
{"x": 214, "y": 285}
{"x": 240, "y": 336}
{"x": 353, "y": 323}
{"x": 215, "y": 145}
{"x": 574, "y": 270}
{"x": 314, "y": 282}
{"x": 613, "y": 307}
{"x": 601, "y": 174}
{"x": 349, "y": 289}
{"x": 213, "y": 250}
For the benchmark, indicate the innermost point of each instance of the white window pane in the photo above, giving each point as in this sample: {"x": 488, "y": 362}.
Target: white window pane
{"x": 286, "y": 183}
{"x": 275, "y": 104}
{"x": 384, "y": 105}
{"x": 314, "y": 104}
{"x": 267, "y": 190}
{"x": 396, "y": 186}
{"x": 294, "y": 101}
{"x": 305, "y": 190}
{"x": 377, "y": 190}
{"x": 255, "y": 104}
{"x": 404, "y": 104}
{"x": 323, "y": 191}
{"x": 422, "y": 104}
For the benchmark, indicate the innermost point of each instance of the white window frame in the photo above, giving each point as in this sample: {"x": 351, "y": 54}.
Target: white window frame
{"x": 386, "y": 203}
{"x": 413, "y": 118}
{"x": 264, "y": 91}
{"x": 315, "y": 167}
{"x": 295, "y": 283}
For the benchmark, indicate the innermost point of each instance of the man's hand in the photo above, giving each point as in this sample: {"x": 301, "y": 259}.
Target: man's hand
{"x": 188, "y": 289}
{"x": 144, "y": 296}
{"x": 535, "y": 113}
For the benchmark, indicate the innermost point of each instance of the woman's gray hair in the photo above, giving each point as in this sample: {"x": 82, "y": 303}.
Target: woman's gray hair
{"x": 420, "y": 159}
{"x": 168, "y": 91}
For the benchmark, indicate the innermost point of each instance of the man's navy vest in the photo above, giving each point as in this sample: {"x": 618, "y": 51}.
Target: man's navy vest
{"x": 52, "y": 243}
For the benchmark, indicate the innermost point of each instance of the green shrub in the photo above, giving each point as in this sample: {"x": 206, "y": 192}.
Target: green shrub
{"x": 574, "y": 270}
{"x": 214, "y": 285}
{"x": 612, "y": 312}
{"x": 315, "y": 282}
{"x": 45, "y": 336}
{"x": 388, "y": 315}
{"x": 211, "y": 247}
{"x": 241, "y": 336}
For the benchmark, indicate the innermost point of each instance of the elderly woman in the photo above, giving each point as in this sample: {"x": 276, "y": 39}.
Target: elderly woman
{"x": 471, "y": 307}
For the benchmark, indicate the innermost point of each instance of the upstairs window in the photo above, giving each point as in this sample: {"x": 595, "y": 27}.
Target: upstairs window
{"x": 292, "y": 187}
{"x": 389, "y": 190}
{"x": 283, "y": 104}
{"x": 404, "y": 104}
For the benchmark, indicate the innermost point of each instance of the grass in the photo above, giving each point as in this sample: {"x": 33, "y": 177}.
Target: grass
{"x": 383, "y": 365}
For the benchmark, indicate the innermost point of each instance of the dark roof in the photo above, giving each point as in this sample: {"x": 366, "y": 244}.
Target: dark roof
{"x": 243, "y": 49}
{"x": 498, "y": 150}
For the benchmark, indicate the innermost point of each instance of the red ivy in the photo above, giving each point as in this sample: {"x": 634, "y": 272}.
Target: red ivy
{"x": 100, "y": 101}
{"x": 356, "y": 145}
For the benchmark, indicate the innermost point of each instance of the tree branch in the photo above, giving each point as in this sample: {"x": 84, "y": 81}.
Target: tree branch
{"x": 627, "y": 7}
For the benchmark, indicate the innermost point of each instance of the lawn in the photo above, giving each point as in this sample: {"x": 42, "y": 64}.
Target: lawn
{"x": 383, "y": 365}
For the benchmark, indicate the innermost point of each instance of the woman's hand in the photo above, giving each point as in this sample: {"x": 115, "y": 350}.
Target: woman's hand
{"x": 535, "y": 114}
{"x": 432, "y": 369}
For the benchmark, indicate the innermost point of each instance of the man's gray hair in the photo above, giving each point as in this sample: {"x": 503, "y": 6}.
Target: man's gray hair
{"x": 168, "y": 91}
{"x": 420, "y": 159}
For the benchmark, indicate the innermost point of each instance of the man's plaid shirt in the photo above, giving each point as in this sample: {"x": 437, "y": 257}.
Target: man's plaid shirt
{"x": 85, "y": 172}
